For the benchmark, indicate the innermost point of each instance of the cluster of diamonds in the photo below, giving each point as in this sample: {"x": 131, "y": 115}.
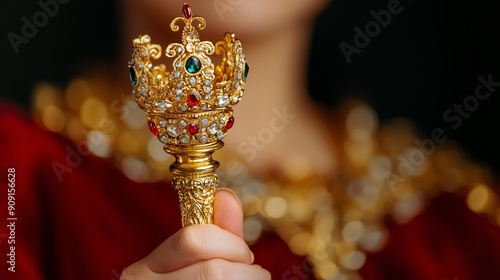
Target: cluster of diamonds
{"x": 192, "y": 104}
{"x": 202, "y": 128}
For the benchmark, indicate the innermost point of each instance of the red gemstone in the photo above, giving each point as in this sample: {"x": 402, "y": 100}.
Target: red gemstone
{"x": 193, "y": 99}
{"x": 192, "y": 129}
{"x": 153, "y": 129}
{"x": 230, "y": 123}
{"x": 186, "y": 10}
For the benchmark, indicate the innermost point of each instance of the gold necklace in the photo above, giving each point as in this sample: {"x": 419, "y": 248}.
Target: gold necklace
{"x": 336, "y": 221}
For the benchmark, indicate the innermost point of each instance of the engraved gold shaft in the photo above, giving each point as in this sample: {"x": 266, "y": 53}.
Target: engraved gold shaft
{"x": 195, "y": 180}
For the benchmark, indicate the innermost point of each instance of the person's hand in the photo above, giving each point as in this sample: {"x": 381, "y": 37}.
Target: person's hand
{"x": 203, "y": 251}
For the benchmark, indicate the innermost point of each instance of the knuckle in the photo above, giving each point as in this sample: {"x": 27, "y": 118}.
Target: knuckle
{"x": 190, "y": 241}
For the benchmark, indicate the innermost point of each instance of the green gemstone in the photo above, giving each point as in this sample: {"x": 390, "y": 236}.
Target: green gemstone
{"x": 193, "y": 65}
{"x": 245, "y": 75}
{"x": 133, "y": 76}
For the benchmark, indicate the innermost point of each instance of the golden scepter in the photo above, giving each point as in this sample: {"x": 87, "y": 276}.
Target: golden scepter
{"x": 189, "y": 109}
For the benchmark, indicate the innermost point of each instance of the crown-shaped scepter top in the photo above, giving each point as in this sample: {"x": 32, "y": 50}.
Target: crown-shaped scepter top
{"x": 191, "y": 104}
{"x": 189, "y": 109}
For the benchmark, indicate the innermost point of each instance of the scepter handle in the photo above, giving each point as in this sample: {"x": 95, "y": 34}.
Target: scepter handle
{"x": 195, "y": 180}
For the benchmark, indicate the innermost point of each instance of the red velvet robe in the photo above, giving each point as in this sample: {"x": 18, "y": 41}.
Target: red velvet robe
{"x": 95, "y": 222}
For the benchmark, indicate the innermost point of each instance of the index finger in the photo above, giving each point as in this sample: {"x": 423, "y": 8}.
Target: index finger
{"x": 197, "y": 243}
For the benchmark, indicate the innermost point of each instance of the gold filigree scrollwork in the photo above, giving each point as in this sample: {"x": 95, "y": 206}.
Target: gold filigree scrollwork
{"x": 155, "y": 51}
{"x": 188, "y": 22}
{"x": 196, "y": 196}
{"x": 224, "y": 48}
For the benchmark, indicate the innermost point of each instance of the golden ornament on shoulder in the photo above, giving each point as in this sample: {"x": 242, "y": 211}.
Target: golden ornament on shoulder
{"x": 189, "y": 109}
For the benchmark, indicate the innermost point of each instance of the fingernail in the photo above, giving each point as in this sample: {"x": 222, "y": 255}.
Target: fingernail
{"x": 231, "y": 191}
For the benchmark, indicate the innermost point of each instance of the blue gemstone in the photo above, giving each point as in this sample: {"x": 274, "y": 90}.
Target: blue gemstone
{"x": 133, "y": 76}
{"x": 246, "y": 72}
{"x": 193, "y": 65}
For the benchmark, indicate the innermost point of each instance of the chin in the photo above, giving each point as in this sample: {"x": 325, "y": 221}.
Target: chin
{"x": 243, "y": 17}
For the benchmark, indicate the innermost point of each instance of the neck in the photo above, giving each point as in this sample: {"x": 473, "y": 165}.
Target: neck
{"x": 277, "y": 73}
{"x": 276, "y": 108}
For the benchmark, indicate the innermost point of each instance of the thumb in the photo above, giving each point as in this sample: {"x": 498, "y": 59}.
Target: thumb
{"x": 228, "y": 213}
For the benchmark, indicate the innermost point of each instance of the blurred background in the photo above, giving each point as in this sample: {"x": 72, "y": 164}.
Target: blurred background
{"x": 427, "y": 59}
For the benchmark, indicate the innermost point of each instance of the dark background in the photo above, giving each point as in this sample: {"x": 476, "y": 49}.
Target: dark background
{"x": 427, "y": 59}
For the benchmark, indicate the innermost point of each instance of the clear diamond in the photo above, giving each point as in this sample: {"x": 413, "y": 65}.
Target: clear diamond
{"x": 203, "y": 130}
{"x": 204, "y": 121}
{"x": 184, "y": 139}
{"x": 183, "y": 108}
{"x": 132, "y": 61}
{"x": 207, "y": 96}
{"x": 162, "y": 105}
{"x": 143, "y": 79}
{"x": 222, "y": 101}
{"x": 238, "y": 75}
{"x": 164, "y": 139}
{"x": 178, "y": 91}
{"x": 179, "y": 84}
{"x": 220, "y": 135}
{"x": 178, "y": 64}
{"x": 237, "y": 84}
{"x": 177, "y": 74}
{"x": 213, "y": 128}
{"x": 192, "y": 80}
{"x": 172, "y": 130}
{"x": 177, "y": 98}
{"x": 240, "y": 65}
{"x": 208, "y": 72}
{"x": 144, "y": 89}
{"x": 203, "y": 138}
{"x": 184, "y": 130}
{"x": 207, "y": 82}
{"x": 183, "y": 123}
{"x": 200, "y": 48}
{"x": 162, "y": 123}
{"x": 207, "y": 89}
{"x": 140, "y": 66}
{"x": 190, "y": 47}
{"x": 204, "y": 106}
{"x": 206, "y": 62}
{"x": 179, "y": 49}
{"x": 144, "y": 54}
{"x": 223, "y": 119}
